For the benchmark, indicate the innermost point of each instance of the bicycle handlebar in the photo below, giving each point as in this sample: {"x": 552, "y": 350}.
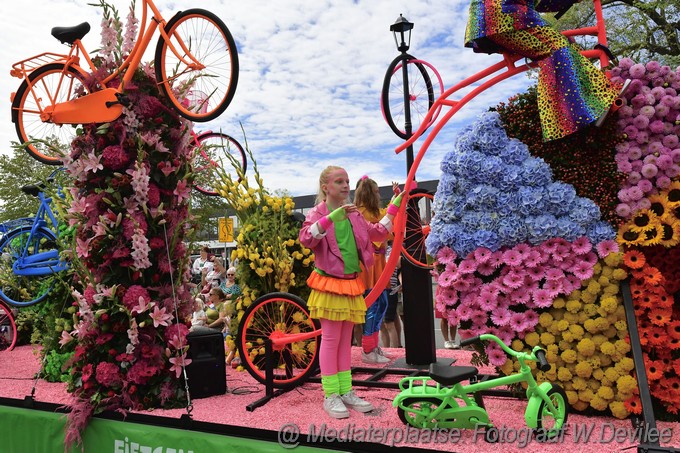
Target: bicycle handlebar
{"x": 543, "y": 364}
{"x": 537, "y": 353}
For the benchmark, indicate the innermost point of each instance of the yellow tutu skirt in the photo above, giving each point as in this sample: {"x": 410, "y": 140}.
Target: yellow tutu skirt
{"x": 336, "y": 299}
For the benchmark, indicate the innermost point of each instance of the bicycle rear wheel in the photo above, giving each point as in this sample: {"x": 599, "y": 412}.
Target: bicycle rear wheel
{"x": 22, "y": 291}
{"x": 418, "y": 216}
{"x": 424, "y": 86}
{"x": 8, "y": 328}
{"x": 48, "y": 85}
{"x": 197, "y": 94}
{"x": 276, "y": 315}
{"x": 215, "y": 150}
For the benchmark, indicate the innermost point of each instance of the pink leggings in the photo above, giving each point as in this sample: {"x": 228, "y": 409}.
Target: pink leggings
{"x": 336, "y": 346}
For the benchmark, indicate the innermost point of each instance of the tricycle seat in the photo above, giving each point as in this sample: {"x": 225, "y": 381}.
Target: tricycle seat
{"x": 450, "y": 375}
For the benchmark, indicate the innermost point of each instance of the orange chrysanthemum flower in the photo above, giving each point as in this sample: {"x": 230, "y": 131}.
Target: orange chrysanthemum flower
{"x": 673, "y": 329}
{"x": 660, "y": 316}
{"x": 634, "y": 259}
{"x": 657, "y": 336}
{"x": 652, "y": 275}
{"x": 633, "y": 405}
{"x": 647, "y": 301}
{"x": 654, "y": 370}
{"x": 673, "y": 345}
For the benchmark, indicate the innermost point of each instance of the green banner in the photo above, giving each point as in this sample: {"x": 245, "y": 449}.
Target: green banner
{"x": 33, "y": 430}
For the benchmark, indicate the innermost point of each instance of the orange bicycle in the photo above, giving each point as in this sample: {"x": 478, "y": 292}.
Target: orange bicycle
{"x": 283, "y": 318}
{"x": 196, "y": 66}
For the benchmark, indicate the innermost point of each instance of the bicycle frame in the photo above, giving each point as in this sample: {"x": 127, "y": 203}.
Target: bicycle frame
{"x": 43, "y": 263}
{"x": 103, "y": 105}
{"x": 510, "y": 69}
{"x": 449, "y": 396}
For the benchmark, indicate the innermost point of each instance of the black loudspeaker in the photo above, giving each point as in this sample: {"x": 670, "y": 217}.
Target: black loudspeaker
{"x": 207, "y": 372}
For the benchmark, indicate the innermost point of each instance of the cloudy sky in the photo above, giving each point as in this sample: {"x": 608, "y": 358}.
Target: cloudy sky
{"x": 310, "y": 79}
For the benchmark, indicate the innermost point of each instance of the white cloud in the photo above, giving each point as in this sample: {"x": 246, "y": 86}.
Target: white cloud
{"x": 310, "y": 78}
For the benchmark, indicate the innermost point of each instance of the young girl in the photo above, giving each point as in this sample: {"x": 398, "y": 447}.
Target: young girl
{"x": 572, "y": 92}
{"x": 199, "y": 317}
{"x": 340, "y": 239}
{"x": 367, "y": 201}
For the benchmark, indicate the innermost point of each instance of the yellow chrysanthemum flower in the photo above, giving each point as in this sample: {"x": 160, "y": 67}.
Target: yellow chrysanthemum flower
{"x": 569, "y": 356}
{"x": 532, "y": 339}
{"x": 618, "y": 409}
{"x": 564, "y": 375}
{"x": 626, "y": 384}
{"x": 586, "y": 347}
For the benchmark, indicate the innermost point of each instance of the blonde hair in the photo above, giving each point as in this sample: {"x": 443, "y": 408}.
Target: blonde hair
{"x": 323, "y": 179}
{"x": 364, "y": 196}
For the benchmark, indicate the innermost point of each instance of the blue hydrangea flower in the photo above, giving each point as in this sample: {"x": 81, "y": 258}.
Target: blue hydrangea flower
{"x": 600, "y": 231}
{"x": 540, "y": 228}
{"x": 568, "y": 229}
{"x": 514, "y": 153}
{"x": 535, "y": 172}
{"x": 584, "y": 211}
{"x": 531, "y": 200}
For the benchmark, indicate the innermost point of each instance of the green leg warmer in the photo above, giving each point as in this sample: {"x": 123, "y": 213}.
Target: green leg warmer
{"x": 330, "y": 384}
{"x": 345, "y": 381}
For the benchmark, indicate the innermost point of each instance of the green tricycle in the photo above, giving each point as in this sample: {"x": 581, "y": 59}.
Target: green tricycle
{"x": 441, "y": 401}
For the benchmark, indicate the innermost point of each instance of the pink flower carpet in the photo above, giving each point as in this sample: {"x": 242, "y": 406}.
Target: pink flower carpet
{"x": 301, "y": 409}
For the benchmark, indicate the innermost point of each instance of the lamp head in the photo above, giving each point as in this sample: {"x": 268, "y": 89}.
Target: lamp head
{"x": 401, "y": 29}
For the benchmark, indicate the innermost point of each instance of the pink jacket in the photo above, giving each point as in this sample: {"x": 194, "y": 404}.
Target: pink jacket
{"x": 327, "y": 256}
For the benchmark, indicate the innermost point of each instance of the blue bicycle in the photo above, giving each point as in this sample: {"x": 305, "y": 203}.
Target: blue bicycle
{"x": 29, "y": 254}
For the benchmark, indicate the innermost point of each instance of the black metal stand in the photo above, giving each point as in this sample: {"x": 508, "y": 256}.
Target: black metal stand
{"x": 647, "y": 423}
{"x": 269, "y": 379}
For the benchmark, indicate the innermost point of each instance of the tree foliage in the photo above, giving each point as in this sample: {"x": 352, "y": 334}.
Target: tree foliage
{"x": 18, "y": 169}
{"x": 640, "y": 29}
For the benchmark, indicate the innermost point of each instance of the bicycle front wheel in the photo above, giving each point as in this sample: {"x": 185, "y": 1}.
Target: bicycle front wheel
{"x": 418, "y": 216}
{"x": 215, "y": 150}
{"x": 46, "y": 86}
{"x": 551, "y": 423}
{"x": 424, "y": 83}
{"x": 276, "y": 315}
{"x": 18, "y": 290}
{"x": 8, "y": 328}
{"x": 197, "y": 68}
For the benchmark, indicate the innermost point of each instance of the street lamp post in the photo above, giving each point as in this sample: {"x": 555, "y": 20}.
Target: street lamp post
{"x": 416, "y": 282}
{"x": 401, "y": 29}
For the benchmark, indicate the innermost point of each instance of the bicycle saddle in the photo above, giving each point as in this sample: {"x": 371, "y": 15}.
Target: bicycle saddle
{"x": 67, "y": 35}
{"x": 448, "y": 375}
{"x": 33, "y": 189}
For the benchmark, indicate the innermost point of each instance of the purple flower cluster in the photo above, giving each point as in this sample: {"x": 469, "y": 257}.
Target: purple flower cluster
{"x": 650, "y": 155}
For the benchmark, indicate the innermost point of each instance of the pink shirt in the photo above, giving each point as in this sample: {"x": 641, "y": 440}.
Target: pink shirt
{"x": 327, "y": 256}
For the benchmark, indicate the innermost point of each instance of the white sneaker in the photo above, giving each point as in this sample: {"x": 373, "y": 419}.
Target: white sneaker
{"x": 352, "y": 401}
{"x": 373, "y": 357}
{"x": 334, "y": 406}
{"x": 379, "y": 351}
{"x": 448, "y": 344}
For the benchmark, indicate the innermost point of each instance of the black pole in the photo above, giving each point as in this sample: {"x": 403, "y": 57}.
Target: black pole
{"x": 419, "y": 340}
